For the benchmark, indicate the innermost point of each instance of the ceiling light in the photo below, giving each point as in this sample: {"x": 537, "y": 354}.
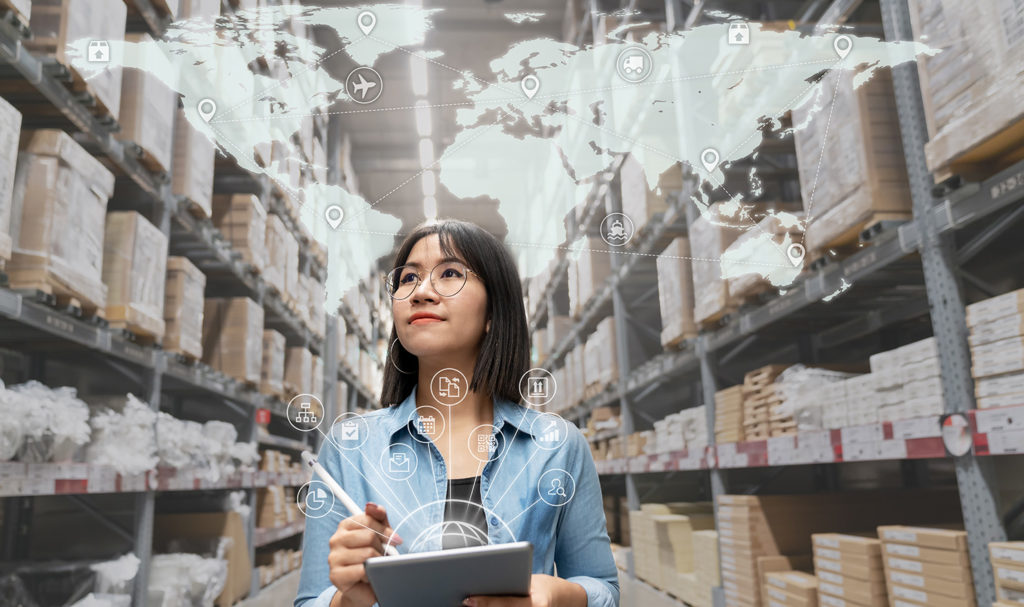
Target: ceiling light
{"x": 429, "y": 183}
{"x": 423, "y": 126}
{"x": 426, "y": 153}
{"x": 418, "y": 69}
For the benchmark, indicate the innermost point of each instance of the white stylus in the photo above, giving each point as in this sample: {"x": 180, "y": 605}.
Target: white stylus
{"x": 339, "y": 493}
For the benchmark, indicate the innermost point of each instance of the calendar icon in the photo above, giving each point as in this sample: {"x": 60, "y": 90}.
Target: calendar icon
{"x": 426, "y": 424}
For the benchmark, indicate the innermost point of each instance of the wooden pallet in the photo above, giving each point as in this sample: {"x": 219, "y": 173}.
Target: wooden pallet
{"x": 11, "y": 14}
{"x": 145, "y": 327}
{"x": 183, "y": 357}
{"x": 84, "y": 298}
{"x": 274, "y": 390}
{"x": 849, "y": 240}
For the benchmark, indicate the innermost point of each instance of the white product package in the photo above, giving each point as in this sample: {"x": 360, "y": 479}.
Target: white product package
{"x": 800, "y": 388}
{"x": 11, "y": 432}
{"x": 186, "y": 580}
{"x": 55, "y": 422}
{"x": 124, "y": 439}
{"x": 104, "y": 600}
{"x": 116, "y": 576}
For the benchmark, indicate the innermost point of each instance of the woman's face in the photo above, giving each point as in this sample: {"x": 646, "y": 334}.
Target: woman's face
{"x": 429, "y": 325}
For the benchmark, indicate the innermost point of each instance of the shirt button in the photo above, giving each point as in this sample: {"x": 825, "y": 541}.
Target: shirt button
{"x": 494, "y": 521}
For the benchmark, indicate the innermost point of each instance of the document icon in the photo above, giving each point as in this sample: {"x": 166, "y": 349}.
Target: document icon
{"x": 399, "y": 463}
{"x": 448, "y": 387}
{"x": 349, "y": 431}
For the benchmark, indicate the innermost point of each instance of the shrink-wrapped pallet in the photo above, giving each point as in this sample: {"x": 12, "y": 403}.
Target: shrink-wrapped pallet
{"x": 298, "y": 370}
{"x": 233, "y": 337}
{"x": 242, "y": 220}
{"x": 675, "y": 293}
{"x": 10, "y": 131}
{"x": 781, "y": 232}
{"x": 639, "y": 202}
{"x": 58, "y": 225}
{"x": 852, "y": 170}
{"x": 588, "y": 272}
{"x": 192, "y": 174}
{"x": 183, "y": 308}
{"x": 276, "y": 253}
{"x": 148, "y": 107}
{"x": 710, "y": 235}
{"x": 57, "y": 24}
{"x": 973, "y": 87}
{"x": 272, "y": 370}
{"x": 135, "y": 272}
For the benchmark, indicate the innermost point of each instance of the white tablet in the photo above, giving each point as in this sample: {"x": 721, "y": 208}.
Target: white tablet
{"x": 445, "y": 577}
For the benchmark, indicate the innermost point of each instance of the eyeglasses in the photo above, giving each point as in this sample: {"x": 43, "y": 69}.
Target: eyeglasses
{"x": 447, "y": 278}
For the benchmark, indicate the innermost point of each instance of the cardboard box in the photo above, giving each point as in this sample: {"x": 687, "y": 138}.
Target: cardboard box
{"x": 995, "y": 308}
{"x": 233, "y": 337}
{"x": 675, "y": 293}
{"x": 192, "y": 173}
{"x": 183, "y": 308}
{"x": 168, "y": 528}
{"x": 272, "y": 368}
{"x": 867, "y": 547}
{"x": 274, "y": 271}
{"x": 588, "y": 273}
{"x": 135, "y": 272}
{"x": 927, "y": 597}
{"x": 956, "y": 589}
{"x": 148, "y": 107}
{"x": 10, "y": 131}
{"x": 860, "y": 156}
{"x": 946, "y": 539}
{"x": 927, "y": 555}
{"x": 22, "y": 8}
{"x": 56, "y": 24}
{"x": 708, "y": 240}
{"x": 872, "y": 572}
{"x": 1002, "y": 328}
{"x": 1003, "y": 356}
{"x": 298, "y": 370}
{"x": 58, "y": 225}
{"x": 242, "y": 220}
{"x": 797, "y": 583}
{"x": 864, "y": 592}
{"x": 933, "y": 570}
{"x": 639, "y": 201}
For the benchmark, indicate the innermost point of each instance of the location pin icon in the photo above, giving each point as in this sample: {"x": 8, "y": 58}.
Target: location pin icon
{"x": 709, "y": 158}
{"x": 207, "y": 108}
{"x": 334, "y": 214}
{"x": 530, "y": 85}
{"x": 366, "y": 21}
{"x": 843, "y": 45}
{"x": 796, "y": 253}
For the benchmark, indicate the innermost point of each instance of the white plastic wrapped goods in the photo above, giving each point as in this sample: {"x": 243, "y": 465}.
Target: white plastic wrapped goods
{"x": 116, "y": 576}
{"x": 124, "y": 439}
{"x": 800, "y": 389}
{"x": 54, "y": 421}
{"x": 11, "y": 432}
{"x": 104, "y": 600}
{"x": 178, "y": 441}
{"x": 185, "y": 580}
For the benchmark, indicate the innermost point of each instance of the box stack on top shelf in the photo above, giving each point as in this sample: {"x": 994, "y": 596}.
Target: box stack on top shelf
{"x": 1008, "y": 565}
{"x": 927, "y": 566}
{"x": 997, "y": 350}
{"x": 675, "y": 293}
{"x": 600, "y": 360}
{"x": 135, "y": 273}
{"x": 588, "y": 271}
{"x": 972, "y": 110}
{"x": 849, "y": 570}
{"x": 852, "y": 171}
{"x": 710, "y": 236}
{"x": 183, "y": 309}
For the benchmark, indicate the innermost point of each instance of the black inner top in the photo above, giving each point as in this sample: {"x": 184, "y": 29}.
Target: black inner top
{"x": 465, "y": 524}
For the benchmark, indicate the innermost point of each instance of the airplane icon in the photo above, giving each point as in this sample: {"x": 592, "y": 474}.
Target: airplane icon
{"x": 363, "y": 86}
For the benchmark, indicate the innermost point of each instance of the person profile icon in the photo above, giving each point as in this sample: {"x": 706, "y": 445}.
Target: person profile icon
{"x": 556, "y": 488}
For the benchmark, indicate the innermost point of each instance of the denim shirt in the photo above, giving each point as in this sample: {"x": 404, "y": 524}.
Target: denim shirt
{"x": 563, "y": 520}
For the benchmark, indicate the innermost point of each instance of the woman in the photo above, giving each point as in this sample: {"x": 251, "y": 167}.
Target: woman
{"x": 457, "y": 462}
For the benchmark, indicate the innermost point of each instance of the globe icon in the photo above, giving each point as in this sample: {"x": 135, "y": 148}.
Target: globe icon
{"x": 452, "y": 534}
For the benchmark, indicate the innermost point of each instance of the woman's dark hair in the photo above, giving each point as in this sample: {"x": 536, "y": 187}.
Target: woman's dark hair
{"x": 505, "y": 350}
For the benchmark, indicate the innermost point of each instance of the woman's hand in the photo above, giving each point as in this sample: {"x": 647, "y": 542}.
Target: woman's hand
{"x": 358, "y": 538}
{"x": 545, "y": 591}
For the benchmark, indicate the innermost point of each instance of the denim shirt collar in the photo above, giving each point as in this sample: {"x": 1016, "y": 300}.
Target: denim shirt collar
{"x": 505, "y": 413}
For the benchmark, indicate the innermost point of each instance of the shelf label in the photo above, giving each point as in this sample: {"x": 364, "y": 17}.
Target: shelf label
{"x": 859, "y": 451}
{"x": 922, "y": 427}
{"x": 892, "y": 449}
{"x": 1006, "y": 443}
{"x": 1009, "y": 418}
{"x": 870, "y": 433}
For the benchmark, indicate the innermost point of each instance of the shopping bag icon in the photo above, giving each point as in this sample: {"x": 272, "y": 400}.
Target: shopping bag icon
{"x": 98, "y": 51}
{"x": 739, "y": 33}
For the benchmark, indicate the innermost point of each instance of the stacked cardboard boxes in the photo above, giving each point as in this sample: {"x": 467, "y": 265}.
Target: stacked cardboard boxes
{"x": 298, "y": 370}
{"x": 242, "y": 220}
{"x": 729, "y": 415}
{"x": 852, "y": 171}
{"x": 927, "y": 566}
{"x": 791, "y": 589}
{"x": 908, "y": 382}
{"x": 710, "y": 235}
{"x": 57, "y": 25}
{"x": 600, "y": 360}
{"x": 588, "y": 273}
{"x": 276, "y": 245}
{"x": 639, "y": 202}
{"x": 148, "y": 107}
{"x": 972, "y": 108}
{"x": 661, "y": 536}
{"x": 135, "y": 272}
{"x": 272, "y": 367}
{"x": 997, "y": 349}
{"x": 192, "y": 172}
{"x": 849, "y": 570}
{"x": 761, "y": 402}
{"x": 10, "y": 130}
{"x": 675, "y": 293}
{"x": 22, "y": 9}
{"x": 1008, "y": 568}
{"x": 58, "y": 226}
{"x": 756, "y": 248}
{"x": 183, "y": 308}
{"x": 233, "y": 337}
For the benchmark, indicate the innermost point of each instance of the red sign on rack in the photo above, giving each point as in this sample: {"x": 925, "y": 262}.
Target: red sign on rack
{"x": 262, "y": 416}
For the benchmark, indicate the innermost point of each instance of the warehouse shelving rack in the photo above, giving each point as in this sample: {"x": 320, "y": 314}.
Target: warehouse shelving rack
{"x": 914, "y": 269}
{"x": 27, "y": 319}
